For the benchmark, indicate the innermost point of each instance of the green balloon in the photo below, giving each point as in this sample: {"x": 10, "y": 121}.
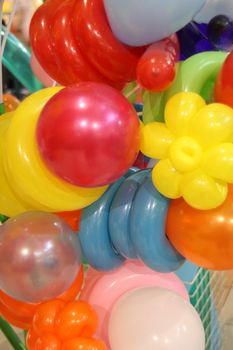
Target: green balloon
{"x": 16, "y": 59}
{"x": 196, "y": 74}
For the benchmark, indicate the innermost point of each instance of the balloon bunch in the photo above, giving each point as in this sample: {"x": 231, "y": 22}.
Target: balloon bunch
{"x": 196, "y": 150}
{"x": 27, "y": 183}
{"x": 65, "y": 326}
{"x": 84, "y": 25}
{"x": 129, "y": 222}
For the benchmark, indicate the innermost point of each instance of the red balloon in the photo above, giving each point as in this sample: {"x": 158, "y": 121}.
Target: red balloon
{"x": 156, "y": 69}
{"x": 89, "y": 134}
{"x": 224, "y": 85}
{"x": 73, "y": 42}
{"x": 203, "y": 237}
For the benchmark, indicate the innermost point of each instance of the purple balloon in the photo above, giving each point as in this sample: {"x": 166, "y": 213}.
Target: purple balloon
{"x": 40, "y": 257}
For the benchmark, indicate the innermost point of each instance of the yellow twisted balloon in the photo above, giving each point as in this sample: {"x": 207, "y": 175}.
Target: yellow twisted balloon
{"x": 25, "y": 182}
{"x": 195, "y": 148}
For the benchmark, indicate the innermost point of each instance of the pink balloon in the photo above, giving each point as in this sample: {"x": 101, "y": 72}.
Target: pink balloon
{"x": 102, "y": 291}
{"x": 39, "y": 72}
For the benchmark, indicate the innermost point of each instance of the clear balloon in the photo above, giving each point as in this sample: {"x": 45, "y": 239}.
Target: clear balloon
{"x": 39, "y": 257}
{"x": 153, "y": 318}
{"x": 141, "y": 23}
{"x": 95, "y": 137}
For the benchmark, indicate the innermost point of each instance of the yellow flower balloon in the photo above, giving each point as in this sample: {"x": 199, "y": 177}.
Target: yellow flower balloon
{"x": 195, "y": 148}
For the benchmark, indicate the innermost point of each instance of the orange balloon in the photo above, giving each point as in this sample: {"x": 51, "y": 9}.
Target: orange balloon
{"x": 83, "y": 344}
{"x": 203, "y": 237}
{"x": 76, "y": 319}
{"x": 72, "y": 218}
{"x": 20, "y": 314}
{"x": 31, "y": 339}
{"x": 10, "y": 102}
{"x": 43, "y": 320}
{"x": 47, "y": 341}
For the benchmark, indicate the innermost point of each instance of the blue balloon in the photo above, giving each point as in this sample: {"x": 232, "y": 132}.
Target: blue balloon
{"x": 148, "y": 218}
{"x": 119, "y": 223}
{"x": 128, "y": 221}
{"x": 138, "y": 23}
{"x": 94, "y": 235}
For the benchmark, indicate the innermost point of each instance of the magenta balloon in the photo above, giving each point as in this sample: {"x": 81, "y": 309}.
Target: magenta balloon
{"x": 39, "y": 257}
{"x": 39, "y": 72}
{"x": 89, "y": 134}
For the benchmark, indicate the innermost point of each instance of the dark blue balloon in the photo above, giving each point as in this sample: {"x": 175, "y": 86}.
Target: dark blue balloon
{"x": 220, "y": 33}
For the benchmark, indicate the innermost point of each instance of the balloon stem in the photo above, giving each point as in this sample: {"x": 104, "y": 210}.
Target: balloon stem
{"x": 11, "y": 336}
{"x": 132, "y": 92}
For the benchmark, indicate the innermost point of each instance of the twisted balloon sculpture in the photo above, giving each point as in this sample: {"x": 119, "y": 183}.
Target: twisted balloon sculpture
{"x": 87, "y": 50}
{"x": 128, "y": 221}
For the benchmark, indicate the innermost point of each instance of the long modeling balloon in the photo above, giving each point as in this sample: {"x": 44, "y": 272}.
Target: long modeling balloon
{"x": 134, "y": 206}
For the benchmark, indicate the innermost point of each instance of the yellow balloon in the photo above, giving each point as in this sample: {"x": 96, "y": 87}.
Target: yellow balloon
{"x": 155, "y": 140}
{"x": 212, "y": 125}
{"x": 202, "y": 191}
{"x": 167, "y": 179}
{"x": 180, "y": 109}
{"x": 195, "y": 148}
{"x": 10, "y": 204}
{"x": 218, "y": 162}
{"x": 29, "y": 175}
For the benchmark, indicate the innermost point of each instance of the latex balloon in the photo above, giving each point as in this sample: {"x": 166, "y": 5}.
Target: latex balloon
{"x": 153, "y": 318}
{"x": 102, "y": 291}
{"x": 224, "y": 87}
{"x": 195, "y": 74}
{"x": 57, "y": 325}
{"x": 39, "y": 72}
{"x": 10, "y": 102}
{"x": 72, "y": 218}
{"x": 39, "y": 257}
{"x": 156, "y": 69}
{"x": 214, "y": 8}
{"x": 66, "y": 58}
{"x": 20, "y": 313}
{"x": 144, "y": 23}
{"x": 204, "y": 238}
{"x": 195, "y": 151}
{"x": 128, "y": 222}
{"x": 95, "y": 136}
{"x": 25, "y": 170}
{"x": 220, "y": 32}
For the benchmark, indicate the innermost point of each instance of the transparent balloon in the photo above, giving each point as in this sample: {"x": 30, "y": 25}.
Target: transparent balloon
{"x": 39, "y": 257}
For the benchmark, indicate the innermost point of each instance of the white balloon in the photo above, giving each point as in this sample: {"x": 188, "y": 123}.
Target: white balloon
{"x": 155, "y": 319}
{"x": 213, "y": 8}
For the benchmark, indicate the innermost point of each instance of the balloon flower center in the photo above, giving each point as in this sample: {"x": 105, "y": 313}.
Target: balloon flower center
{"x": 185, "y": 154}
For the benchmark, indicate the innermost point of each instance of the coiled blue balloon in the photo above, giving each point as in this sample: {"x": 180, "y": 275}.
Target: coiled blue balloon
{"x": 128, "y": 221}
